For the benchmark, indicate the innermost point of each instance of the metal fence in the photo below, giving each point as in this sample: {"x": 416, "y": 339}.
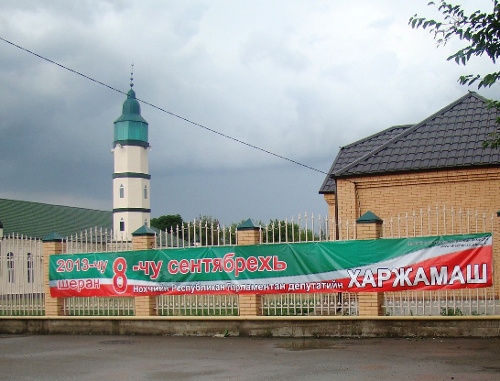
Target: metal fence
{"x": 463, "y": 302}
{"x": 316, "y": 304}
{"x": 441, "y": 221}
{"x": 21, "y": 276}
{"x": 99, "y": 306}
{"x": 21, "y": 269}
{"x": 197, "y": 305}
{"x": 424, "y": 222}
{"x": 97, "y": 240}
{"x": 204, "y": 233}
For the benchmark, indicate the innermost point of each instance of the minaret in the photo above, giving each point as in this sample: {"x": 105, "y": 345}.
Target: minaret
{"x": 131, "y": 191}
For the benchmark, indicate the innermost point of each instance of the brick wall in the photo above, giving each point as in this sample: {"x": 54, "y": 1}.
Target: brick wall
{"x": 388, "y": 195}
{"x": 392, "y": 195}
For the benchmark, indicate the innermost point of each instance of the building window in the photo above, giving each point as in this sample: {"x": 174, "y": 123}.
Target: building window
{"x": 122, "y": 225}
{"x": 29, "y": 268}
{"x": 145, "y": 192}
{"x": 10, "y": 267}
{"x": 122, "y": 191}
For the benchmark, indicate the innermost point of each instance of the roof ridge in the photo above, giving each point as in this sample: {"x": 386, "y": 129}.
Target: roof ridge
{"x": 47, "y": 204}
{"x": 410, "y": 130}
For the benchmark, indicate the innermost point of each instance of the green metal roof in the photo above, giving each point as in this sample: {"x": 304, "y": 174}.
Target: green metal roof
{"x": 131, "y": 128}
{"x": 369, "y": 218}
{"x": 247, "y": 225}
{"x": 53, "y": 237}
{"x": 144, "y": 230}
{"x": 131, "y": 110}
{"x": 35, "y": 219}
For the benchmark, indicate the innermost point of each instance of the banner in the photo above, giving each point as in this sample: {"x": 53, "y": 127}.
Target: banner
{"x": 424, "y": 263}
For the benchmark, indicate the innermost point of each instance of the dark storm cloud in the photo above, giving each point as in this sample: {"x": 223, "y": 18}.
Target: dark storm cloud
{"x": 296, "y": 78}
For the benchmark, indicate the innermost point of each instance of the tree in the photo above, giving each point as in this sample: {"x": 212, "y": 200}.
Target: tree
{"x": 283, "y": 231}
{"x": 481, "y": 33}
{"x": 167, "y": 222}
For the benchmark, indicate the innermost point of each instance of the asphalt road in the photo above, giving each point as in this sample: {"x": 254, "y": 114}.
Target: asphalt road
{"x": 235, "y": 358}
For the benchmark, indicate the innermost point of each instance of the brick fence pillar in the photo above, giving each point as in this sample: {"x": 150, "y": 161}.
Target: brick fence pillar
{"x": 52, "y": 244}
{"x": 249, "y": 234}
{"x": 144, "y": 239}
{"x": 369, "y": 226}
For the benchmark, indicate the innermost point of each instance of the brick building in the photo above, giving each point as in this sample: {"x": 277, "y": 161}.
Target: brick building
{"x": 437, "y": 163}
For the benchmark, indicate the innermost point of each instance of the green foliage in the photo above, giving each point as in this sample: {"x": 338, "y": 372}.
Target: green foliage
{"x": 282, "y": 231}
{"x": 494, "y": 138}
{"x": 479, "y": 30}
{"x": 167, "y": 222}
{"x": 205, "y": 232}
{"x": 451, "y": 312}
{"x": 481, "y": 33}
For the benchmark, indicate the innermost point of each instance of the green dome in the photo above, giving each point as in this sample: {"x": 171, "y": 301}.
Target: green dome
{"x": 131, "y": 128}
{"x": 131, "y": 110}
{"x": 131, "y": 105}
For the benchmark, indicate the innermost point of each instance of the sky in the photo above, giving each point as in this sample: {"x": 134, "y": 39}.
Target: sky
{"x": 296, "y": 78}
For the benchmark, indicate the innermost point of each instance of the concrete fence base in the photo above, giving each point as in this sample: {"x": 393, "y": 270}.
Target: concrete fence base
{"x": 318, "y": 327}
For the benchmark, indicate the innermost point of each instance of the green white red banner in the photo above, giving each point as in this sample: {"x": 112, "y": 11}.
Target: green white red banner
{"x": 424, "y": 263}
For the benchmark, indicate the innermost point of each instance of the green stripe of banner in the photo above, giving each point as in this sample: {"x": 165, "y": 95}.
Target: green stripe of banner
{"x": 249, "y": 262}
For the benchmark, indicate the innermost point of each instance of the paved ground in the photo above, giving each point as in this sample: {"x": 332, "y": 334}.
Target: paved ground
{"x": 233, "y": 358}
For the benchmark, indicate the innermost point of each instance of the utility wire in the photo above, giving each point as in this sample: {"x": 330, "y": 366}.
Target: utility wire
{"x": 162, "y": 109}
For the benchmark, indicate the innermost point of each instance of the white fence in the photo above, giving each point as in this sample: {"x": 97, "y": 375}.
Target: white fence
{"x": 21, "y": 269}
{"x": 315, "y": 304}
{"x": 464, "y": 302}
{"x": 316, "y": 228}
{"x": 199, "y": 233}
{"x": 99, "y": 306}
{"x": 21, "y": 276}
{"x": 97, "y": 240}
{"x": 425, "y": 222}
{"x": 196, "y": 233}
{"x": 441, "y": 221}
{"x": 197, "y": 305}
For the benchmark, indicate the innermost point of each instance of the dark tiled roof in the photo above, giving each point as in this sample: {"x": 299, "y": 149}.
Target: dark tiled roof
{"x": 451, "y": 138}
{"x": 34, "y": 219}
{"x": 359, "y": 149}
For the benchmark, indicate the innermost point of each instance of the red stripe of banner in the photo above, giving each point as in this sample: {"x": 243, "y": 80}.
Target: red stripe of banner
{"x": 458, "y": 265}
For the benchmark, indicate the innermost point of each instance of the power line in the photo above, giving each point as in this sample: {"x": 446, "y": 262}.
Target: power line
{"x": 162, "y": 109}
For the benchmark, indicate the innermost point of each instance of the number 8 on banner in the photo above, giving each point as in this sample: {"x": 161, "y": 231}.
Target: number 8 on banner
{"x": 120, "y": 279}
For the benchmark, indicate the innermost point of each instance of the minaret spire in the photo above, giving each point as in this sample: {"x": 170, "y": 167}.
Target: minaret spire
{"x": 132, "y": 75}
